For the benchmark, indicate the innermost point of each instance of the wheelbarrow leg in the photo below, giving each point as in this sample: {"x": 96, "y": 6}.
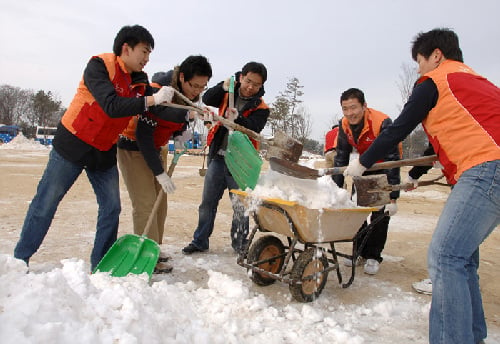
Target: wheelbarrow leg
{"x": 336, "y": 261}
{"x": 243, "y": 255}
{"x": 291, "y": 251}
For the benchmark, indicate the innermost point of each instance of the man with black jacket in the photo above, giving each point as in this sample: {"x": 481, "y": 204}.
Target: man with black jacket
{"x": 251, "y": 112}
{"x": 113, "y": 89}
{"x": 357, "y": 129}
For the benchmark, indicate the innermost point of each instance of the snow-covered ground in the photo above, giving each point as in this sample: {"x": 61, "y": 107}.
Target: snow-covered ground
{"x": 63, "y": 303}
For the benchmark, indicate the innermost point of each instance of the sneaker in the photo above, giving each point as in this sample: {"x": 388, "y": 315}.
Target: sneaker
{"x": 423, "y": 287}
{"x": 359, "y": 261}
{"x": 371, "y": 266}
{"x": 189, "y": 249}
{"x": 163, "y": 268}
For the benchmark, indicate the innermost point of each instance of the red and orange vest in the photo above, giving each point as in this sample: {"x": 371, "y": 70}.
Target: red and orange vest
{"x": 464, "y": 126}
{"x": 246, "y": 113}
{"x": 163, "y": 131}
{"x": 331, "y": 139}
{"x": 87, "y": 120}
{"x": 371, "y": 129}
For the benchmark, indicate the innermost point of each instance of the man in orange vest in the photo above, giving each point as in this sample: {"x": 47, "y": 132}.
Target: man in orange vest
{"x": 358, "y": 128}
{"x": 330, "y": 145}
{"x": 139, "y": 147}
{"x": 113, "y": 89}
{"x": 460, "y": 112}
{"x": 251, "y": 112}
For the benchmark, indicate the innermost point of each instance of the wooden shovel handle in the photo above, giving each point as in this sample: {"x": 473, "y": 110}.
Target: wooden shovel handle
{"x": 161, "y": 193}
{"x": 422, "y": 161}
{"x": 224, "y": 121}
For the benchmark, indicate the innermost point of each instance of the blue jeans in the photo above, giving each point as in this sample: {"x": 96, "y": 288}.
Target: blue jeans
{"x": 470, "y": 214}
{"x": 60, "y": 174}
{"x": 217, "y": 180}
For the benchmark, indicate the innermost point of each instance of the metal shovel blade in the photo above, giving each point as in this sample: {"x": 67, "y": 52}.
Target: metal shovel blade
{"x": 375, "y": 190}
{"x": 284, "y": 147}
{"x": 370, "y": 190}
{"x": 242, "y": 160}
{"x": 130, "y": 254}
{"x": 296, "y": 170}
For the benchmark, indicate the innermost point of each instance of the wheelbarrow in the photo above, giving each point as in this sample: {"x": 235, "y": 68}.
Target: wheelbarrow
{"x": 309, "y": 254}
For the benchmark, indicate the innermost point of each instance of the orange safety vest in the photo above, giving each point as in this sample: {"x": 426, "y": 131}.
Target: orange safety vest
{"x": 464, "y": 126}
{"x": 371, "y": 129}
{"x": 85, "y": 118}
{"x": 246, "y": 113}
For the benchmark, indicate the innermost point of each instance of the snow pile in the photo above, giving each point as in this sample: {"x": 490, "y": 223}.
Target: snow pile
{"x": 20, "y": 142}
{"x": 311, "y": 193}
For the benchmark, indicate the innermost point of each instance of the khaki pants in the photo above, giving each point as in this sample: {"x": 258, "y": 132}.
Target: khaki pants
{"x": 142, "y": 189}
{"x": 329, "y": 156}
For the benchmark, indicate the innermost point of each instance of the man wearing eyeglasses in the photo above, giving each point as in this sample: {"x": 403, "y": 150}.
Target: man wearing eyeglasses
{"x": 250, "y": 111}
{"x": 140, "y": 146}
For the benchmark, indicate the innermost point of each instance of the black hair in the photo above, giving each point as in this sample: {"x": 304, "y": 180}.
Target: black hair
{"x": 335, "y": 126}
{"x": 443, "y": 39}
{"x": 353, "y": 93}
{"x": 257, "y": 68}
{"x": 195, "y": 65}
{"x": 132, "y": 35}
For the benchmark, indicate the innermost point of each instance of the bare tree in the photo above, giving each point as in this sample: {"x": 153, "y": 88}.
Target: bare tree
{"x": 406, "y": 81}
{"x": 15, "y": 104}
{"x": 416, "y": 142}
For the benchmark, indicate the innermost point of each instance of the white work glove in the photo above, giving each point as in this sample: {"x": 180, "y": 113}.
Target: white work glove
{"x": 231, "y": 114}
{"x": 164, "y": 95}
{"x": 225, "y": 85}
{"x": 165, "y": 182}
{"x": 355, "y": 169}
{"x": 391, "y": 209}
{"x": 414, "y": 182}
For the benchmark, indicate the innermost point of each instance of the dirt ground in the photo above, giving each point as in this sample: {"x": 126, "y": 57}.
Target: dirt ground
{"x": 72, "y": 230}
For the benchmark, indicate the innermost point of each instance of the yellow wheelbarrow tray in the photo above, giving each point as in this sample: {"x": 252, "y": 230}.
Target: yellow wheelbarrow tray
{"x": 302, "y": 263}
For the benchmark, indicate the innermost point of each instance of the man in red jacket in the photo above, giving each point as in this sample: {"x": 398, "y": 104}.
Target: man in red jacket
{"x": 331, "y": 145}
{"x": 113, "y": 89}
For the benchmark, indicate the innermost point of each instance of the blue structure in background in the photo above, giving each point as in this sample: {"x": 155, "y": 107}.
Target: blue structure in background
{"x": 8, "y": 132}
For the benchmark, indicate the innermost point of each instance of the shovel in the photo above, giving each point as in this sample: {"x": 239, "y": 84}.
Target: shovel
{"x": 281, "y": 146}
{"x": 133, "y": 253}
{"x": 303, "y": 172}
{"x": 374, "y": 190}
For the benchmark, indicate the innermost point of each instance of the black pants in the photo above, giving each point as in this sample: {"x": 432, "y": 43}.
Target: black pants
{"x": 375, "y": 239}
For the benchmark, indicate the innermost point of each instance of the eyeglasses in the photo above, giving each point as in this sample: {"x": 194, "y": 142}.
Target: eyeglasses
{"x": 246, "y": 80}
{"x": 197, "y": 87}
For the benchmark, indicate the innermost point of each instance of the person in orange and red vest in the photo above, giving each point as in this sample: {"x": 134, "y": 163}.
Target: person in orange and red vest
{"x": 113, "y": 89}
{"x": 140, "y": 145}
{"x": 358, "y": 128}
{"x": 251, "y": 112}
{"x": 460, "y": 112}
{"x": 330, "y": 145}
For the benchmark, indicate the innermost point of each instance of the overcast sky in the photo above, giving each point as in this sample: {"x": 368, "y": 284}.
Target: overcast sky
{"x": 328, "y": 45}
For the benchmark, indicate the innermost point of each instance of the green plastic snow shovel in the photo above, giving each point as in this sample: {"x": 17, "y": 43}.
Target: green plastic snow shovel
{"x": 132, "y": 253}
{"x": 242, "y": 159}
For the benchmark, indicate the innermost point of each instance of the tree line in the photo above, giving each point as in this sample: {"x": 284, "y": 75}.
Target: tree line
{"x": 27, "y": 108}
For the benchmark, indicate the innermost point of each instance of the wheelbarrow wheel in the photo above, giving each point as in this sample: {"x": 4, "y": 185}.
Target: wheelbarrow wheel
{"x": 311, "y": 262}
{"x": 265, "y": 248}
